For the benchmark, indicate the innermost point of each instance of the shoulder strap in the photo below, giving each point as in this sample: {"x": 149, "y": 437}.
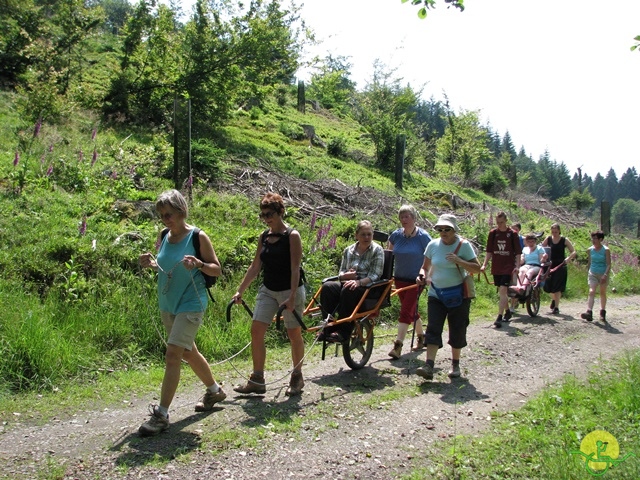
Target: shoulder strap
{"x": 163, "y": 233}
{"x": 195, "y": 239}
{"x": 455, "y": 252}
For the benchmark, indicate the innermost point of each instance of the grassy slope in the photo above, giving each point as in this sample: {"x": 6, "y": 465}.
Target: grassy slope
{"x": 39, "y": 234}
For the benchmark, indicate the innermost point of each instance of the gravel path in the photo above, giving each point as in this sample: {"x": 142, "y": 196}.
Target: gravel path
{"x": 375, "y": 423}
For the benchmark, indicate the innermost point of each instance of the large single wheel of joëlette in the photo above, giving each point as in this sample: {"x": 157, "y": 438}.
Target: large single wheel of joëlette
{"x": 533, "y": 302}
{"x": 357, "y": 350}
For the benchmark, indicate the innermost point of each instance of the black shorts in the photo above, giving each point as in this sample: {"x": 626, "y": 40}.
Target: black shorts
{"x": 457, "y": 318}
{"x": 502, "y": 280}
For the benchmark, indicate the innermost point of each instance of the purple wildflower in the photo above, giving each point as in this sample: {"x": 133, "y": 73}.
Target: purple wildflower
{"x": 114, "y": 175}
{"x": 332, "y": 242}
{"x": 16, "y": 159}
{"x": 491, "y": 220}
{"x": 51, "y": 148}
{"x": 36, "y": 129}
{"x": 313, "y": 221}
{"x": 94, "y": 132}
{"x": 190, "y": 181}
{"x": 50, "y": 170}
{"x": 83, "y": 225}
{"x": 94, "y": 157}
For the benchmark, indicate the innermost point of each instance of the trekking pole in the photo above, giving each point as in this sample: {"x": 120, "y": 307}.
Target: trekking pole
{"x": 415, "y": 316}
{"x": 415, "y": 320}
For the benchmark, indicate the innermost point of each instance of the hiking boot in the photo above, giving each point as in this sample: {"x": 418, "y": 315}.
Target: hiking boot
{"x": 455, "y": 371}
{"x": 553, "y": 305}
{"x": 425, "y": 372}
{"x": 588, "y": 316}
{"x": 296, "y": 384}
{"x": 498, "y": 322}
{"x": 209, "y": 400}
{"x": 396, "y": 351}
{"x": 556, "y": 311}
{"x": 156, "y": 424}
{"x": 420, "y": 343}
{"x": 254, "y": 385}
{"x": 603, "y": 315}
{"x": 507, "y": 316}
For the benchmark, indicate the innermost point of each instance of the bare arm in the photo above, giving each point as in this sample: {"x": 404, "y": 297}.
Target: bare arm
{"x": 209, "y": 263}
{"x": 295, "y": 244}
{"x": 252, "y": 272}
{"x": 572, "y": 250}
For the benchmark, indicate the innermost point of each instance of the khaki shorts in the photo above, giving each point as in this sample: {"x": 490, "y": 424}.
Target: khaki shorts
{"x": 594, "y": 279}
{"x": 268, "y": 302}
{"x": 182, "y": 328}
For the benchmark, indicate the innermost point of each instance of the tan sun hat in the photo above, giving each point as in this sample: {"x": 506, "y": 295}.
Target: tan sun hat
{"x": 447, "y": 220}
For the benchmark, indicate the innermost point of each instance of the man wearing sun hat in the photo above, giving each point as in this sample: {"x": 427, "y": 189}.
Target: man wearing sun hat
{"x": 503, "y": 251}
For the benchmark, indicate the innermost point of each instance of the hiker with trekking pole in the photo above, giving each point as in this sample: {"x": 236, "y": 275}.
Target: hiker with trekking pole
{"x": 408, "y": 244}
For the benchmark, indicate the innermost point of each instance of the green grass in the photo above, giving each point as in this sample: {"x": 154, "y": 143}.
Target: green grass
{"x": 537, "y": 440}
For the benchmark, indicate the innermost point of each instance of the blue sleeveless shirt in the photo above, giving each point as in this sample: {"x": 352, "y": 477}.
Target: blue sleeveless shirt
{"x": 178, "y": 294}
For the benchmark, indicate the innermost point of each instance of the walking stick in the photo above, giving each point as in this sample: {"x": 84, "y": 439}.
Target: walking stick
{"x": 415, "y": 316}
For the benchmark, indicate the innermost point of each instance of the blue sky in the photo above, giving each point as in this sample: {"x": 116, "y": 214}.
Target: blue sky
{"x": 559, "y": 75}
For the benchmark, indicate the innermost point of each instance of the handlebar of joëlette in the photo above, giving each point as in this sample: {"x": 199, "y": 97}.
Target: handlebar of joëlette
{"x": 232, "y": 303}
{"x": 295, "y": 314}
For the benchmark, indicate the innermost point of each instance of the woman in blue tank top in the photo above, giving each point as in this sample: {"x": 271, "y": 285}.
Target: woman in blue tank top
{"x": 182, "y": 299}
{"x": 599, "y": 267}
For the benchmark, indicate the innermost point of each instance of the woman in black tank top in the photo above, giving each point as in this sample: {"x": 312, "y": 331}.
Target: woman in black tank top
{"x": 557, "y": 282}
{"x": 278, "y": 256}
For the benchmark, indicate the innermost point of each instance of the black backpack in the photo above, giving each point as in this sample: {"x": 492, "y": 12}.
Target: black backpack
{"x": 209, "y": 281}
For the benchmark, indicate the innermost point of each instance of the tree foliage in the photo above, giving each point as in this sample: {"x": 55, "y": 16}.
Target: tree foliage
{"x": 330, "y": 84}
{"x": 625, "y": 214}
{"x": 464, "y": 144}
{"x": 132, "y": 61}
{"x": 429, "y": 4}
{"x": 385, "y": 109}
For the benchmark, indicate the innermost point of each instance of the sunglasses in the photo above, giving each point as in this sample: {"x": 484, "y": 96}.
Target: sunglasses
{"x": 266, "y": 215}
{"x": 443, "y": 229}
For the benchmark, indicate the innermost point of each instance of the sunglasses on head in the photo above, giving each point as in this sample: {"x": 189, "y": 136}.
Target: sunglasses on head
{"x": 267, "y": 214}
{"x": 443, "y": 229}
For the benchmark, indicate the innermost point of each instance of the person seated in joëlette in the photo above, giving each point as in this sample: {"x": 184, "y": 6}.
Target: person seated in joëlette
{"x": 362, "y": 264}
{"x": 532, "y": 258}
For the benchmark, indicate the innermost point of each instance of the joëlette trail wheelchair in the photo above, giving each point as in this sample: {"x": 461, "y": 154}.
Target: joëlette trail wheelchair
{"x": 357, "y": 349}
{"x": 529, "y": 290}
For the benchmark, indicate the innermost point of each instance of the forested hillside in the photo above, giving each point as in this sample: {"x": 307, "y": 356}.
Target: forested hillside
{"x": 127, "y": 63}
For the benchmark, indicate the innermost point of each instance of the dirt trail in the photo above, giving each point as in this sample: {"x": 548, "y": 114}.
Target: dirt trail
{"x": 353, "y": 424}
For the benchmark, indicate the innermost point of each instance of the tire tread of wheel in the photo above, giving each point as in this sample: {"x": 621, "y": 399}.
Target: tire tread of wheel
{"x": 367, "y": 333}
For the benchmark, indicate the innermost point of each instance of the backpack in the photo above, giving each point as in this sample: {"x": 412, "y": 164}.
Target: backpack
{"x": 209, "y": 280}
